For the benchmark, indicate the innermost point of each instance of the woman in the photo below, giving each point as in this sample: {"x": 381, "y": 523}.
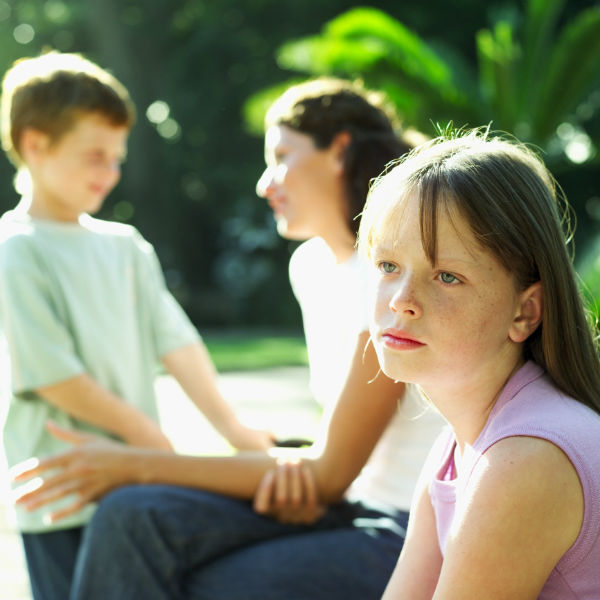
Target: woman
{"x": 337, "y": 531}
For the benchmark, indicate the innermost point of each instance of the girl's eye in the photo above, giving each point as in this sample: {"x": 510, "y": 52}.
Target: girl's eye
{"x": 448, "y": 278}
{"x": 386, "y": 267}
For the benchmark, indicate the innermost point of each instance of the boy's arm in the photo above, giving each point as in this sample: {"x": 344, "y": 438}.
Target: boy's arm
{"x": 86, "y": 400}
{"x": 193, "y": 369}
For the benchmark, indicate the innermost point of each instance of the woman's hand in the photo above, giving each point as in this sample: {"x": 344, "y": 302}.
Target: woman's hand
{"x": 91, "y": 469}
{"x": 288, "y": 493}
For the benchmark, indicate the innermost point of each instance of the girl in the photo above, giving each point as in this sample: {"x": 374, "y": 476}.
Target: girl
{"x": 474, "y": 298}
{"x": 339, "y": 533}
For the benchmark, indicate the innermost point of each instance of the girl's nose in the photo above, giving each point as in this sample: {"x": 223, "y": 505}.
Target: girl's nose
{"x": 404, "y": 299}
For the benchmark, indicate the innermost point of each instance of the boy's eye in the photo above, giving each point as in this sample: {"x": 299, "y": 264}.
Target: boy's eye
{"x": 386, "y": 267}
{"x": 448, "y": 278}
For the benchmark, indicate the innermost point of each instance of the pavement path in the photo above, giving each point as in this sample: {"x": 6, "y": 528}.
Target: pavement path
{"x": 275, "y": 399}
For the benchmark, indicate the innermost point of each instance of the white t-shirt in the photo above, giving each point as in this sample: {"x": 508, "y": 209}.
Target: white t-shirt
{"x": 333, "y": 300}
{"x": 75, "y": 298}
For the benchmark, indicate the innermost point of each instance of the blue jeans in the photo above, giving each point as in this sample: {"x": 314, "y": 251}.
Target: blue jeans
{"x": 50, "y": 560}
{"x": 164, "y": 542}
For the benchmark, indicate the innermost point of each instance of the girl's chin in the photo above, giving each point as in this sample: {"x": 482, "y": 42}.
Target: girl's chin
{"x": 397, "y": 371}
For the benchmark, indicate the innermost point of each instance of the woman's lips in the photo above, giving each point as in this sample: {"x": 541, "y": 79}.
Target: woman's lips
{"x": 400, "y": 340}
{"x": 277, "y": 207}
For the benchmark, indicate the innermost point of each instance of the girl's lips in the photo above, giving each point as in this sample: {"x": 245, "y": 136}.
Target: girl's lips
{"x": 400, "y": 340}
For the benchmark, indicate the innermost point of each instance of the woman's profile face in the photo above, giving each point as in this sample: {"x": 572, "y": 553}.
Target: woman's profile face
{"x": 302, "y": 183}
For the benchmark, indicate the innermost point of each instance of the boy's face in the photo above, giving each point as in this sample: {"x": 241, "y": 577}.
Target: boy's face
{"x": 75, "y": 174}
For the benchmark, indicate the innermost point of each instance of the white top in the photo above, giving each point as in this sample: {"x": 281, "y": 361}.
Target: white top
{"x": 333, "y": 299}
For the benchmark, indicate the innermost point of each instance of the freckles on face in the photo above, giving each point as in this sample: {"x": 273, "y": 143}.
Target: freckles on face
{"x": 459, "y": 310}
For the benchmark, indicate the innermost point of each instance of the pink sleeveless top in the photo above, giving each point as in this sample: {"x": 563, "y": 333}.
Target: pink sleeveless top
{"x": 531, "y": 405}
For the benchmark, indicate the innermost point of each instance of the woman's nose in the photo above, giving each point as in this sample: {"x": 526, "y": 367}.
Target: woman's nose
{"x": 265, "y": 185}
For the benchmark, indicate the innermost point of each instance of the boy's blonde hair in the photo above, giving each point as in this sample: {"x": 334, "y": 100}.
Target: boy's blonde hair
{"x": 510, "y": 201}
{"x": 50, "y": 92}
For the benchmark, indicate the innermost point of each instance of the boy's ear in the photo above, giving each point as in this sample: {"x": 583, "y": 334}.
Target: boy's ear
{"x": 33, "y": 143}
{"x": 529, "y": 314}
{"x": 338, "y": 147}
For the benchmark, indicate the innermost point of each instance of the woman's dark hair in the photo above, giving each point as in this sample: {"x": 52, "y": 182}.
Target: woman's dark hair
{"x": 325, "y": 107}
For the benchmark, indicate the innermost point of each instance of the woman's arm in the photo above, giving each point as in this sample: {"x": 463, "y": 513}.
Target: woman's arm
{"x": 94, "y": 467}
{"x": 296, "y": 491}
{"x": 366, "y": 405}
{"x": 522, "y": 510}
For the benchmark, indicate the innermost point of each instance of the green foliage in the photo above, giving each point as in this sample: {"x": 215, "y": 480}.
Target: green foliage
{"x": 256, "y": 106}
{"x": 530, "y": 77}
{"x": 589, "y": 271}
{"x": 368, "y": 44}
{"x": 573, "y": 70}
{"x": 189, "y": 180}
{"x": 536, "y": 75}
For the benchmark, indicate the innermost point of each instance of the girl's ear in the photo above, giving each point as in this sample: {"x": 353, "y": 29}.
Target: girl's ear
{"x": 529, "y": 314}
{"x": 338, "y": 147}
{"x": 33, "y": 143}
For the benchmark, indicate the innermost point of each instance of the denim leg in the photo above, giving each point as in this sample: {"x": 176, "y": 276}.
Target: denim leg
{"x": 50, "y": 560}
{"x": 144, "y": 540}
{"x": 352, "y": 563}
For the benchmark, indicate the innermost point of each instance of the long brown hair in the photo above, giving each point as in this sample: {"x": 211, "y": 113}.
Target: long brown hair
{"x": 516, "y": 211}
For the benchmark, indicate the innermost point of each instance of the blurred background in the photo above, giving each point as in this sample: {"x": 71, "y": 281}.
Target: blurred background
{"x": 201, "y": 73}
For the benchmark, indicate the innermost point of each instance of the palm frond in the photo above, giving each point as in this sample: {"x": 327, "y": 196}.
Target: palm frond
{"x": 573, "y": 71}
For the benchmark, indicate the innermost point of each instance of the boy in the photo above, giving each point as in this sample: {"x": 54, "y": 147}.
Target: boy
{"x": 83, "y": 304}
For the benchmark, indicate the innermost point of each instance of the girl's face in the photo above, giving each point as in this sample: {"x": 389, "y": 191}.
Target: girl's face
{"x": 302, "y": 184}
{"x": 448, "y": 326}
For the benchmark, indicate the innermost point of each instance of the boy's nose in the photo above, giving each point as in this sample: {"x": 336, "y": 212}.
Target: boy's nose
{"x": 114, "y": 170}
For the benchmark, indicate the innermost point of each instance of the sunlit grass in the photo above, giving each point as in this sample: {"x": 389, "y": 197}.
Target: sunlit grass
{"x": 241, "y": 351}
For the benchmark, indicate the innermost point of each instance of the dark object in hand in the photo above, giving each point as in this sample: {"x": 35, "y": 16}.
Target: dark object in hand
{"x": 293, "y": 443}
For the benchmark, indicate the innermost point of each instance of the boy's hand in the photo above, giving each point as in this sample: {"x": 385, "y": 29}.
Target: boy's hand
{"x": 247, "y": 438}
{"x": 288, "y": 493}
{"x": 91, "y": 469}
